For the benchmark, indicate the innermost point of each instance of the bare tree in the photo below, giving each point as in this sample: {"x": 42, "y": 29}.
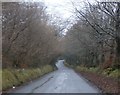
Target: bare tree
{"x": 28, "y": 39}
{"x": 100, "y": 23}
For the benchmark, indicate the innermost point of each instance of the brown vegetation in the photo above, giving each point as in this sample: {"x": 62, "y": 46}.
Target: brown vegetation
{"x": 106, "y": 84}
{"x": 28, "y": 39}
{"x": 93, "y": 39}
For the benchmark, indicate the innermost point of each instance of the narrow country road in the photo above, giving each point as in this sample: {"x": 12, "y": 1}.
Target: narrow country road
{"x": 64, "y": 80}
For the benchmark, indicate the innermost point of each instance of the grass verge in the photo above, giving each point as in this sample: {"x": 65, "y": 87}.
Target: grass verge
{"x": 17, "y": 77}
{"x": 109, "y": 72}
{"x": 106, "y": 80}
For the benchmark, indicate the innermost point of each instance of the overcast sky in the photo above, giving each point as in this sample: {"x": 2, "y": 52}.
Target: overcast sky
{"x": 61, "y": 8}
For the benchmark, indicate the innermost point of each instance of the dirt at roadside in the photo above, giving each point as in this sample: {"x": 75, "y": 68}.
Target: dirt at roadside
{"x": 106, "y": 84}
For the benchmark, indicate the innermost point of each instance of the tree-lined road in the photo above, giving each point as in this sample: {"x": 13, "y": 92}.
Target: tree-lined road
{"x": 64, "y": 80}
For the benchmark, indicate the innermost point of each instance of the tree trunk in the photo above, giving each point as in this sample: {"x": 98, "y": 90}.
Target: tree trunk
{"x": 118, "y": 33}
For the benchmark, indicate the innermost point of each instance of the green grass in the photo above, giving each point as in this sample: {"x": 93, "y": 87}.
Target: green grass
{"x": 17, "y": 77}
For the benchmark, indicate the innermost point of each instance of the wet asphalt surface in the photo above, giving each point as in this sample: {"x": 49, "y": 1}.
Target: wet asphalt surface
{"x": 63, "y": 80}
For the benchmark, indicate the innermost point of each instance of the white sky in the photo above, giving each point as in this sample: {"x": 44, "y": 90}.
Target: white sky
{"x": 61, "y": 8}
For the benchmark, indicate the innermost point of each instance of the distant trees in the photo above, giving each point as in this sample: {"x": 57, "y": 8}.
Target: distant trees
{"x": 27, "y": 38}
{"x": 95, "y": 36}
{"x": 30, "y": 40}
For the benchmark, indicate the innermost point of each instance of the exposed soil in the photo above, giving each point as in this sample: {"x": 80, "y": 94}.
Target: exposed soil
{"x": 105, "y": 84}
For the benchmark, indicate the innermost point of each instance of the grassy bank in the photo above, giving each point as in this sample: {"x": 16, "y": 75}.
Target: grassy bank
{"x": 106, "y": 80}
{"x": 17, "y": 77}
{"x": 109, "y": 72}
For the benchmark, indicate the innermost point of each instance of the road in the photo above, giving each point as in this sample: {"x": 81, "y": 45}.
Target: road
{"x": 63, "y": 80}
